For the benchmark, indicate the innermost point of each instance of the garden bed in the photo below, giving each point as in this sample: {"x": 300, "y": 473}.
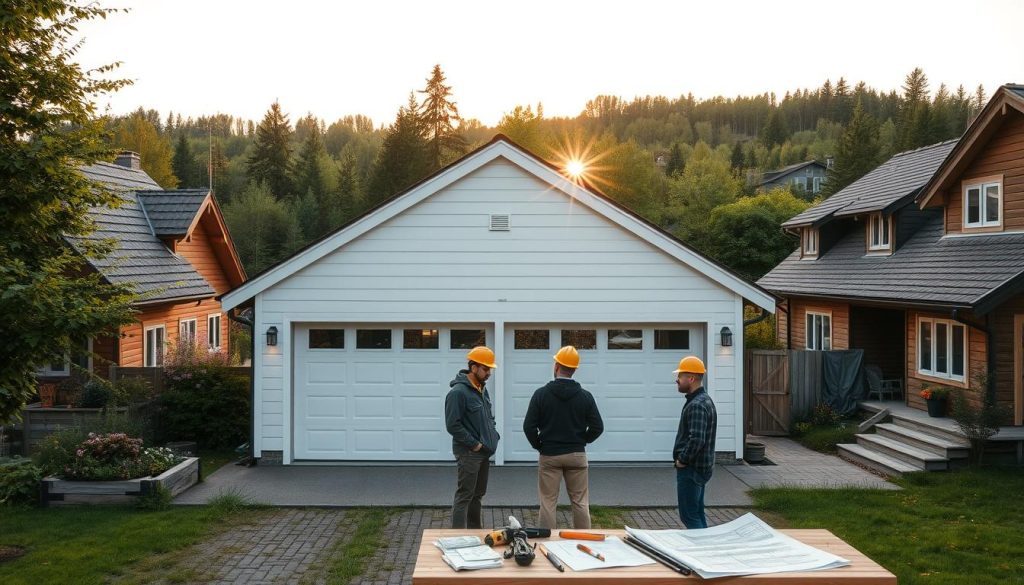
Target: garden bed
{"x": 175, "y": 480}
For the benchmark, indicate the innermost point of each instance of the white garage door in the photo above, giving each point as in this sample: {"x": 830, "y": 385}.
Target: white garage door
{"x": 627, "y": 368}
{"x": 376, "y": 392}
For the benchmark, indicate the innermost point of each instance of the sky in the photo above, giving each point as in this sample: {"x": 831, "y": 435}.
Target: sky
{"x": 335, "y": 58}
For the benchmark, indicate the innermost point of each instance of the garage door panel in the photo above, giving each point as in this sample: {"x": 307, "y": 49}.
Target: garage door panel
{"x": 378, "y": 442}
{"x": 423, "y": 441}
{"x": 420, "y": 373}
{"x": 318, "y": 372}
{"x": 327, "y": 440}
{"x": 374, "y": 372}
{"x": 421, "y": 407}
{"x": 326, "y": 406}
{"x": 622, "y": 408}
{"x": 373, "y": 407}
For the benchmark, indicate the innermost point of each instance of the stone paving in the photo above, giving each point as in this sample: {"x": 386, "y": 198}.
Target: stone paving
{"x": 798, "y": 466}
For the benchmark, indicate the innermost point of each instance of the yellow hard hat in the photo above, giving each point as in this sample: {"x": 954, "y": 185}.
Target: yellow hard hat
{"x": 568, "y": 357}
{"x": 482, "y": 355}
{"x": 691, "y": 364}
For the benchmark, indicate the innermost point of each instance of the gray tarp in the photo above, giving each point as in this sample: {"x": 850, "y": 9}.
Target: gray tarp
{"x": 844, "y": 383}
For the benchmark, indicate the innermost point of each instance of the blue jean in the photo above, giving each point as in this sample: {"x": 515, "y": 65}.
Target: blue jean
{"x": 690, "y": 492}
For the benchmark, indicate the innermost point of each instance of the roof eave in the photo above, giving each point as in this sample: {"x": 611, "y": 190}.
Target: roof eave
{"x": 874, "y": 300}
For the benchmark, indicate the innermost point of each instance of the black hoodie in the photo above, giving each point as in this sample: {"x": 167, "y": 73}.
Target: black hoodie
{"x": 562, "y": 418}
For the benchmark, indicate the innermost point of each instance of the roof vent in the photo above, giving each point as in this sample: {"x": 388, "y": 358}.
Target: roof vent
{"x": 500, "y": 222}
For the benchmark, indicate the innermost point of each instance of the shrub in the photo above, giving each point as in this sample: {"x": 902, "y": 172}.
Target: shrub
{"x": 57, "y": 450}
{"x": 204, "y": 400}
{"x": 96, "y": 393}
{"x": 19, "y": 482}
{"x": 978, "y": 422}
{"x": 825, "y": 415}
{"x": 159, "y": 498}
{"x": 128, "y": 391}
{"x": 115, "y": 456}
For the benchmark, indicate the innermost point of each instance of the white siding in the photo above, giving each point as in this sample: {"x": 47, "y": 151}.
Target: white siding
{"x": 439, "y": 262}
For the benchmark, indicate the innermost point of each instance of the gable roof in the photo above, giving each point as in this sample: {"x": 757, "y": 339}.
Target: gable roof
{"x": 975, "y": 138}
{"x": 885, "y": 188}
{"x": 928, "y": 269}
{"x": 139, "y": 257}
{"x": 778, "y": 174}
{"x": 499, "y": 147}
{"x": 173, "y": 213}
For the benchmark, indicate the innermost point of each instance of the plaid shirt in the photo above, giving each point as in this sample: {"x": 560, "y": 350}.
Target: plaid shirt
{"x": 695, "y": 439}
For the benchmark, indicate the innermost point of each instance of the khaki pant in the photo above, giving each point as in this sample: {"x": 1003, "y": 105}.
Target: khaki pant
{"x": 551, "y": 470}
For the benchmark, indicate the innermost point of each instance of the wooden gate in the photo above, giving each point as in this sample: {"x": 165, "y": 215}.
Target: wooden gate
{"x": 767, "y": 392}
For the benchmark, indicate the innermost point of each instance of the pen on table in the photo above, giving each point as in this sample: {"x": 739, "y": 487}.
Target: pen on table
{"x": 554, "y": 560}
{"x": 587, "y": 550}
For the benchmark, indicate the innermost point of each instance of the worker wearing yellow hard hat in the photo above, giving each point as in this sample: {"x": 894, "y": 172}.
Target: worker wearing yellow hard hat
{"x": 469, "y": 418}
{"x": 694, "y": 449}
{"x": 561, "y": 420}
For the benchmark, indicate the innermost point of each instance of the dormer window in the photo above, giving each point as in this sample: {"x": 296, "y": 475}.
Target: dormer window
{"x": 810, "y": 243}
{"x": 983, "y": 203}
{"x": 879, "y": 233}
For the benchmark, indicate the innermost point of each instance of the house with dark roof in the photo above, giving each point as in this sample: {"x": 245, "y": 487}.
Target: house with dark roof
{"x": 920, "y": 263}
{"x": 173, "y": 248}
{"x": 807, "y": 176}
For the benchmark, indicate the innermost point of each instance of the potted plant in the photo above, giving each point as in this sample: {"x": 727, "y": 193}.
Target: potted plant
{"x": 936, "y": 397}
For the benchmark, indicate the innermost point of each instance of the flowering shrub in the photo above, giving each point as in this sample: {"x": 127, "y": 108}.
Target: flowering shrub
{"x": 935, "y": 393}
{"x": 825, "y": 415}
{"x": 116, "y": 456}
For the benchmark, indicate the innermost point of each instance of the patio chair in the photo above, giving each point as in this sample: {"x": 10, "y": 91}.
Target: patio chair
{"x": 882, "y": 388}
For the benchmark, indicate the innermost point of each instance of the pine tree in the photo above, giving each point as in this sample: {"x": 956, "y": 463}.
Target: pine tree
{"x": 403, "y": 156}
{"x": 736, "y": 160}
{"x": 189, "y": 172}
{"x": 438, "y": 117}
{"x": 675, "y": 163}
{"x": 912, "y": 124}
{"x": 775, "y": 130}
{"x": 217, "y": 168}
{"x": 269, "y": 162}
{"x": 308, "y": 172}
{"x": 857, "y": 152}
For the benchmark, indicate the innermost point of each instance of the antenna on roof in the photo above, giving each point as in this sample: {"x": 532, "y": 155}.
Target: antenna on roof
{"x": 209, "y": 167}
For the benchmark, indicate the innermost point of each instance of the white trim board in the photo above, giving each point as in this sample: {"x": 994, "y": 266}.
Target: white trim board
{"x": 498, "y": 149}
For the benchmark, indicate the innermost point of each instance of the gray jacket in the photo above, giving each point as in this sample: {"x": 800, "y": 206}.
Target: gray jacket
{"x": 469, "y": 415}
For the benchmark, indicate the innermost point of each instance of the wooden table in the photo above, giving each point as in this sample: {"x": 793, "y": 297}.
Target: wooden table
{"x": 431, "y": 570}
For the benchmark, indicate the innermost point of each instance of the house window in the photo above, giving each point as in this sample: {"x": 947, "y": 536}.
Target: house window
{"x": 671, "y": 339}
{"x": 153, "y": 346}
{"x": 187, "y": 331}
{"x": 580, "y": 338}
{"x": 62, "y": 367}
{"x": 879, "y": 229}
{"x": 326, "y": 339}
{"x": 941, "y": 348}
{"x": 626, "y": 339}
{"x": 532, "y": 339}
{"x": 817, "y": 185}
{"x": 59, "y": 367}
{"x": 467, "y": 338}
{"x": 983, "y": 203}
{"x": 810, "y": 238}
{"x": 819, "y": 331}
{"x": 420, "y": 339}
{"x": 213, "y": 331}
{"x": 373, "y": 339}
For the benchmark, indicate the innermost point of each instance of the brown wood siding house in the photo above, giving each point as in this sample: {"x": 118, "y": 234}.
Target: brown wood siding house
{"x": 175, "y": 250}
{"x": 938, "y": 297}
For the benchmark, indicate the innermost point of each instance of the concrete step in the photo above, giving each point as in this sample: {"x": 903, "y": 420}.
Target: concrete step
{"x": 938, "y": 445}
{"x": 893, "y": 448}
{"x": 873, "y": 459}
{"x": 936, "y": 430}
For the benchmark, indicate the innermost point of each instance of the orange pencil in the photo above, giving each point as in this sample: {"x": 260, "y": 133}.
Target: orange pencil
{"x": 572, "y": 535}
{"x": 590, "y": 552}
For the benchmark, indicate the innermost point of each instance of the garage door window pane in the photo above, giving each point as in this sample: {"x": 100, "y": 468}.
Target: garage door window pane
{"x": 420, "y": 339}
{"x": 373, "y": 339}
{"x": 625, "y": 339}
{"x": 326, "y": 339}
{"x": 533, "y": 339}
{"x": 671, "y": 339}
{"x": 468, "y": 338}
{"x": 580, "y": 338}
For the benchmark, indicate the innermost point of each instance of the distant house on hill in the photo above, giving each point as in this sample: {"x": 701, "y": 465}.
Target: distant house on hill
{"x": 807, "y": 176}
{"x": 173, "y": 247}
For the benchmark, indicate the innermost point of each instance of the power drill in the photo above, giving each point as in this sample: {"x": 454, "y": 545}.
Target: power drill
{"x": 504, "y": 535}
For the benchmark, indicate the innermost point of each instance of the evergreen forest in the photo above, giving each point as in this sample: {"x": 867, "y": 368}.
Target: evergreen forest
{"x": 690, "y": 166}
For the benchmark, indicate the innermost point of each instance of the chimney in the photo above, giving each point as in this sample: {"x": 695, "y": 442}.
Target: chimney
{"x": 129, "y": 160}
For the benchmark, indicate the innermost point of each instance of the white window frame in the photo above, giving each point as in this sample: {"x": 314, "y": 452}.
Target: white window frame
{"x": 879, "y": 233}
{"x": 931, "y": 370}
{"x": 809, "y": 242}
{"x": 48, "y": 372}
{"x": 146, "y": 344}
{"x": 817, "y": 184}
{"x": 982, "y": 184}
{"x": 811, "y": 342}
{"x": 213, "y": 334}
{"x": 186, "y": 324}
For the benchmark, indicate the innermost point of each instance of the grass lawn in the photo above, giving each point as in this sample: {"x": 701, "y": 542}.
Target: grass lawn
{"x": 961, "y": 527}
{"x": 823, "y": 438}
{"x": 92, "y": 544}
{"x": 210, "y": 461}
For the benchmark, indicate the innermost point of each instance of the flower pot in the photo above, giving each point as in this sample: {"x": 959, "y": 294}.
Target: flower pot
{"x": 753, "y": 452}
{"x": 47, "y": 394}
{"x": 936, "y": 407}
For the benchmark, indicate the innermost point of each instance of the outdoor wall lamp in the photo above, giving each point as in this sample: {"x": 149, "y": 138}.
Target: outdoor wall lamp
{"x": 726, "y": 337}
{"x": 272, "y": 336}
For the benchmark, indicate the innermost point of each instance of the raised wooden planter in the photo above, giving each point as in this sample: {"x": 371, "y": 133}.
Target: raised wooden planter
{"x": 175, "y": 480}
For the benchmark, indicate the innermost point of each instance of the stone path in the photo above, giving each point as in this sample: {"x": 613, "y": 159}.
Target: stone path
{"x": 798, "y": 466}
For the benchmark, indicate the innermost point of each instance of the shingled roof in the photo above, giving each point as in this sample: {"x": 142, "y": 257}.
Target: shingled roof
{"x": 893, "y": 182}
{"x": 171, "y": 213}
{"x": 773, "y": 175}
{"x": 139, "y": 257}
{"x": 925, "y": 270}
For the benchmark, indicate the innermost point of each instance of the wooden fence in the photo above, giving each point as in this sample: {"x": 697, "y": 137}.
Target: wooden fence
{"x": 781, "y": 386}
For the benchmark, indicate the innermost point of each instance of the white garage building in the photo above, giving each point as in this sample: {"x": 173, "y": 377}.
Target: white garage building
{"x": 498, "y": 248}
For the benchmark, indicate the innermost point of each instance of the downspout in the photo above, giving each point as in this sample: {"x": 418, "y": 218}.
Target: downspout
{"x": 247, "y": 321}
{"x": 990, "y": 352}
{"x": 764, "y": 315}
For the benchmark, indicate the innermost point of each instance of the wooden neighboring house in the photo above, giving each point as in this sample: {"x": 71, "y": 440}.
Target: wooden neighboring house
{"x": 174, "y": 248}
{"x": 920, "y": 263}
{"x": 807, "y": 177}
{"x": 358, "y": 334}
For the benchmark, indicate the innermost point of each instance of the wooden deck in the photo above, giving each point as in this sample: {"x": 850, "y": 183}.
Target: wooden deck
{"x": 431, "y": 570}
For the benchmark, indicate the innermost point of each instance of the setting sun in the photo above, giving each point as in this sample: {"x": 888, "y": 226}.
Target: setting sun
{"x": 575, "y": 168}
